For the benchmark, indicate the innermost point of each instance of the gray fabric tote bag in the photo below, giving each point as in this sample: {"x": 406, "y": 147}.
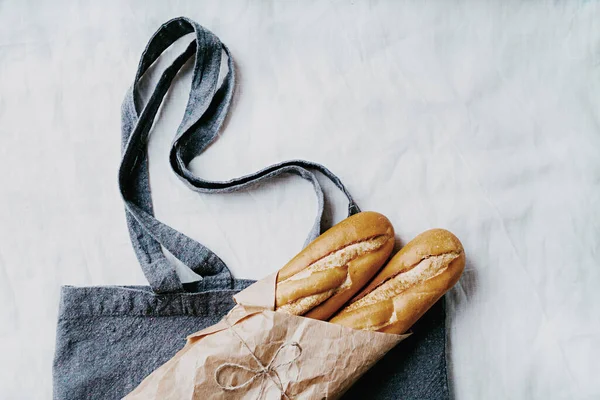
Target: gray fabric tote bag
{"x": 109, "y": 338}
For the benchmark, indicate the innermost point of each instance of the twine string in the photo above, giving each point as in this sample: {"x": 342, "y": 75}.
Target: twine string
{"x": 262, "y": 372}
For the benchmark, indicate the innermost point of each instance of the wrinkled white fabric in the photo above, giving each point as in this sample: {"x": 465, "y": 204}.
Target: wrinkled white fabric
{"x": 482, "y": 118}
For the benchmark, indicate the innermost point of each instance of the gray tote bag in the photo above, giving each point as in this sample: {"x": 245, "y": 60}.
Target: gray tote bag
{"x": 109, "y": 338}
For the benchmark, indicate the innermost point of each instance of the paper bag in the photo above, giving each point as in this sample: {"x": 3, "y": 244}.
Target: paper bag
{"x": 256, "y": 353}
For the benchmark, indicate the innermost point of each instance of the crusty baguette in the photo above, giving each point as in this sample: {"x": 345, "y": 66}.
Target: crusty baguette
{"x": 335, "y": 266}
{"x": 408, "y": 286}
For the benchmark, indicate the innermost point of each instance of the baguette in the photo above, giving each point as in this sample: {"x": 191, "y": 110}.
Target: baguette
{"x": 335, "y": 266}
{"x": 408, "y": 286}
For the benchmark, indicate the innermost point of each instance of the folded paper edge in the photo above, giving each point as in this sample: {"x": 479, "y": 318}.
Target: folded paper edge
{"x": 260, "y": 294}
{"x": 252, "y": 300}
{"x": 258, "y": 297}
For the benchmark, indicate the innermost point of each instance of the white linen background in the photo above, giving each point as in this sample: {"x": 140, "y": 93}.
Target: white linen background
{"x": 479, "y": 117}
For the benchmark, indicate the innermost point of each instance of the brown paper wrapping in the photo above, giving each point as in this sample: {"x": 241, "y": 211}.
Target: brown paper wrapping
{"x": 256, "y": 353}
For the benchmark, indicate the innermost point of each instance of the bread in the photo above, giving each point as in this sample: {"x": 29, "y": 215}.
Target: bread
{"x": 408, "y": 286}
{"x": 335, "y": 266}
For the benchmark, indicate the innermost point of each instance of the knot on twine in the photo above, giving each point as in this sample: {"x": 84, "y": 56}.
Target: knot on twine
{"x": 268, "y": 371}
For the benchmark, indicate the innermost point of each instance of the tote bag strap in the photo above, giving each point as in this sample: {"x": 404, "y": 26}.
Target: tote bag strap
{"x": 204, "y": 114}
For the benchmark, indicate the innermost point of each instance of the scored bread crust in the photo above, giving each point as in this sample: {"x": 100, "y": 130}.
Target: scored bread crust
{"x": 408, "y": 286}
{"x": 332, "y": 268}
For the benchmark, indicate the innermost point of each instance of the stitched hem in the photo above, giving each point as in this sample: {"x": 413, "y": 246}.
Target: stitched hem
{"x": 114, "y": 301}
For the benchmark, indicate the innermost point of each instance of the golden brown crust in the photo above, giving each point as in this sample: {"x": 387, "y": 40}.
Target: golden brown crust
{"x": 332, "y": 268}
{"x": 356, "y": 228}
{"x": 408, "y": 286}
{"x": 361, "y": 270}
{"x": 417, "y": 300}
{"x": 432, "y": 242}
{"x": 317, "y": 282}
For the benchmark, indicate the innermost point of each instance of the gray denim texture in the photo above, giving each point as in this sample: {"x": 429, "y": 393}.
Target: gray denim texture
{"x": 110, "y": 338}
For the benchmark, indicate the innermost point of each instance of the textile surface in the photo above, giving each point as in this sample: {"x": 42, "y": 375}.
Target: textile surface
{"x": 479, "y": 118}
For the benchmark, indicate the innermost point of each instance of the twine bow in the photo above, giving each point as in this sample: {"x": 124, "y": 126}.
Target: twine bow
{"x": 268, "y": 371}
